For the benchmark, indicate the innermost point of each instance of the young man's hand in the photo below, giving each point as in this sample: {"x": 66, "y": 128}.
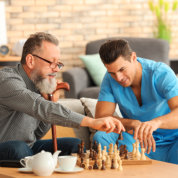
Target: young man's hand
{"x": 107, "y": 124}
{"x": 144, "y": 132}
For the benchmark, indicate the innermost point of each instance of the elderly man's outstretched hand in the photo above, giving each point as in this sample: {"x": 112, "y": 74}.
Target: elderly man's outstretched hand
{"x": 107, "y": 124}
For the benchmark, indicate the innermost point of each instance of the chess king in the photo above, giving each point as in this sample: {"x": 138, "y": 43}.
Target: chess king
{"x": 147, "y": 94}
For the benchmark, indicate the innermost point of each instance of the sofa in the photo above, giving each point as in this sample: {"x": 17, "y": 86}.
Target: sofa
{"x": 79, "y": 79}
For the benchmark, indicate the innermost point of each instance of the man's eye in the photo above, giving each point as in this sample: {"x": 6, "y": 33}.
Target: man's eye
{"x": 122, "y": 69}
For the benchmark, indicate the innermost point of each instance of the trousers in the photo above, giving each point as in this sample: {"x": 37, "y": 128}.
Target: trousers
{"x": 16, "y": 150}
{"x": 167, "y": 152}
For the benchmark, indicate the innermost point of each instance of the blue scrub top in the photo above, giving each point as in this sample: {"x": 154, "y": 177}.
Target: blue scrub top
{"x": 159, "y": 84}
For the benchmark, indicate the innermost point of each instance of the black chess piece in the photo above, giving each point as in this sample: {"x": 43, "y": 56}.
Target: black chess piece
{"x": 120, "y": 136}
{"x": 126, "y": 155}
{"x": 95, "y": 166}
{"x": 81, "y": 162}
{"x": 103, "y": 165}
{"x": 112, "y": 164}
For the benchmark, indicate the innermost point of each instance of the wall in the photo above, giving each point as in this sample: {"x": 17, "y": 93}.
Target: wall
{"x": 75, "y": 22}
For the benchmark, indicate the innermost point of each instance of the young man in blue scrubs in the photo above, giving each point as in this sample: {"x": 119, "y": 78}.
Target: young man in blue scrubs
{"x": 147, "y": 95}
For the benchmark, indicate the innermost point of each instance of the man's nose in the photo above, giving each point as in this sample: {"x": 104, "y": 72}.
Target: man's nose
{"x": 119, "y": 76}
{"x": 56, "y": 69}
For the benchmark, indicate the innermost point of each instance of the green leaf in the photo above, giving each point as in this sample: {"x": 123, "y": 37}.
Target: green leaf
{"x": 157, "y": 10}
{"x": 161, "y": 3}
{"x": 166, "y": 6}
{"x": 174, "y": 6}
{"x": 151, "y": 6}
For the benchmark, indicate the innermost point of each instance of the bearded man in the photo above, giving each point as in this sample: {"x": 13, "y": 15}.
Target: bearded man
{"x": 25, "y": 116}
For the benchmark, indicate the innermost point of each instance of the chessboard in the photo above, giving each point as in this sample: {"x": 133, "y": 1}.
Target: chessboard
{"x": 129, "y": 161}
{"x": 112, "y": 158}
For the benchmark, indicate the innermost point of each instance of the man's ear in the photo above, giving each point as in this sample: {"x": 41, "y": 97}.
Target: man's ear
{"x": 133, "y": 56}
{"x": 30, "y": 61}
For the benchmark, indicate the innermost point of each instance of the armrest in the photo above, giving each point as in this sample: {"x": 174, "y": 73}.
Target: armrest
{"x": 174, "y": 65}
{"x": 78, "y": 79}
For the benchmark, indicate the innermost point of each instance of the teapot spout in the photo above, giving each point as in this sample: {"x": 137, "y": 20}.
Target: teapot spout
{"x": 55, "y": 155}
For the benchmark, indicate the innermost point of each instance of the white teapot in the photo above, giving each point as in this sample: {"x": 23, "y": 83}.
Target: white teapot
{"x": 44, "y": 163}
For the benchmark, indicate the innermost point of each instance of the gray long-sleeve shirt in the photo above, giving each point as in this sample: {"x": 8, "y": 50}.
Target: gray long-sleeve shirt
{"x": 24, "y": 114}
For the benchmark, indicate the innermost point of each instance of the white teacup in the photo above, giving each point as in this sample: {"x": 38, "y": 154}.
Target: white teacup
{"x": 67, "y": 163}
{"x": 27, "y": 162}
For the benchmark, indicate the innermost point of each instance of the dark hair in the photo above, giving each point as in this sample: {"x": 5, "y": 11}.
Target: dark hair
{"x": 113, "y": 49}
{"x": 34, "y": 43}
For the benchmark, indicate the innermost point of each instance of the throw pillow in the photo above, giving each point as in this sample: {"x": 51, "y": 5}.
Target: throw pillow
{"x": 95, "y": 67}
{"x": 89, "y": 108}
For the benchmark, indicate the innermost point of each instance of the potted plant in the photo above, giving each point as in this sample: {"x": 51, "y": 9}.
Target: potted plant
{"x": 160, "y": 9}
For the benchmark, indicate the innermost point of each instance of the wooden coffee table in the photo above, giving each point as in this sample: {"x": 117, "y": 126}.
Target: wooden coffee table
{"x": 155, "y": 170}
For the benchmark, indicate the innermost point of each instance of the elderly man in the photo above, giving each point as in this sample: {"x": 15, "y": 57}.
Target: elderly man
{"x": 147, "y": 95}
{"x": 25, "y": 116}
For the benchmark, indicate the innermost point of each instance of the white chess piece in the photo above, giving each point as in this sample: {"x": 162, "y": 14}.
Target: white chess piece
{"x": 111, "y": 149}
{"x": 137, "y": 155}
{"x": 120, "y": 165}
{"x": 143, "y": 157}
{"x": 87, "y": 163}
{"x": 134, "y": 150}
{"x": 115, "y": 162}
{"x": 108, "y": 162}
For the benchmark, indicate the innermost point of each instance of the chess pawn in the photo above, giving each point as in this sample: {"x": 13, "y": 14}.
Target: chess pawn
{"x": 143, "y": 157}
{"x": 137, "y": 155}
{"x": 105, "y": 149}
{"x": 103, "y": 165}
{"x": 108, "y": 162}
{"x": 111, "y": 149}
{"x": 87, "y": 163}
{"x": 103, "y": 155}
{"x": 120, "y": 165}
{"x": 118, "y": 155}
{"x": 99, "y": 163}
{"x": 134, "y": 150}
{"x": 99, "y": 147}
{"x": 115, "y": 148}
{"x": 115, "y": 163}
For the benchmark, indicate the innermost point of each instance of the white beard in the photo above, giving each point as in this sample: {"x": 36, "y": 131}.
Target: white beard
{"x": 44, "y": 85}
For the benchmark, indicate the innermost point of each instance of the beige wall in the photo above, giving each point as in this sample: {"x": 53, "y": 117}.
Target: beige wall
{"x": 75, "y": 22}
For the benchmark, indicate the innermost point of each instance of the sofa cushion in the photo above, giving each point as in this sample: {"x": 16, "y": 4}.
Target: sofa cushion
{"x": 95, "y": 67}
{"x": 89, "y": 108}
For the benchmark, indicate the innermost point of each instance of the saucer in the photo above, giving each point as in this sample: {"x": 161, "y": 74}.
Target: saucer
{"x": 76, "y": 169}
{"x": 25, "y": 169}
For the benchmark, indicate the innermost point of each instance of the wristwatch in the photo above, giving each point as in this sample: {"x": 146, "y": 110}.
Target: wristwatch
{"x": 4, "y": 50}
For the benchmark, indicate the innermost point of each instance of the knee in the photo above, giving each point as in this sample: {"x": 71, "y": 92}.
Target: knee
{"x": 18, "y": 150}
{"x": 98, "y": 136}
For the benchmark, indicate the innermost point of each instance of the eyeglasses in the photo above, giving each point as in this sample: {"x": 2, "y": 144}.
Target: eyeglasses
{"x": 53, "y": 65}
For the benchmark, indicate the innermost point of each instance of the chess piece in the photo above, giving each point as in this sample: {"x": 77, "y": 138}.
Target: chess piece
{"x": 143, "y": 157}
{"x": 99, "y": 163}
{"x": 115, "y": 148}
{"x": 95, "y": 166}
{"x": 108, "y": 162}
{"x": 115, "y": 163}
{"x": 120, "y": 165}
{"x": 95, "y": 146}
{"x": 134, "y": 150}
{"x": 90, "y": 167}
{"x": 87, "y": 164}
{"x": 99, "y": 151}
{"x": 103, "y": 166}
{"x": 117, "y": 143}
{"x": 81, "y": 162}
{"x": 111, "y": 149}
{"x": 112, "y": 164}
{"x": 137, "y": 155}
{"x": 126, "y": 154}
{"x": 120, "y": 136}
